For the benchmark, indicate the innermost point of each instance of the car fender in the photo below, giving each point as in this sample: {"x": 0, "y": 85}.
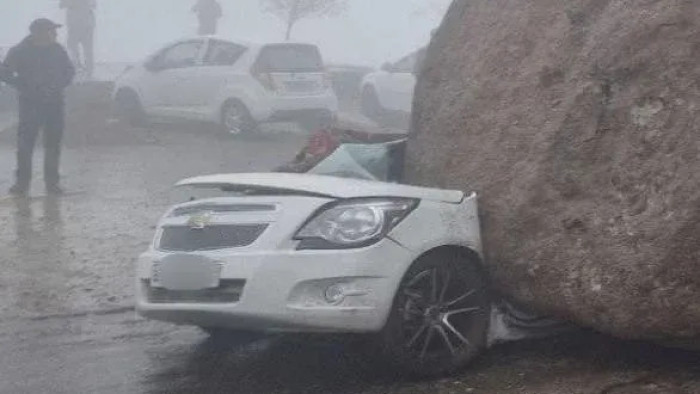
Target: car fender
{"x": 436, "y": 224}
{"x": 130, "y": 87}
{"x": 251, "y": 97}
{"x": 129, "y": 80}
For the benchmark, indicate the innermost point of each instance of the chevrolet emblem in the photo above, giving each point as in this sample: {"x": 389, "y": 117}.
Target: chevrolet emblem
{"x": 199, "y": 221}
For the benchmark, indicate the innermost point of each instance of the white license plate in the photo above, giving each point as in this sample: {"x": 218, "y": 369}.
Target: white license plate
{"x": 182, "y": 272}
{"x": 301, "y": 86}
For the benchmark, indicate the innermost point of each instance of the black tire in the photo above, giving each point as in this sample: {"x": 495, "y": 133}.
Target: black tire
{"x": 440, "y": 318}
{"x": 371, "y": 106}
{"x": 128, "y": 108}
{"x": 236, "y": 119}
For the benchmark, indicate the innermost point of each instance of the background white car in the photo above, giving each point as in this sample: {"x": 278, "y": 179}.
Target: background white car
{"x": 389, "y": 92}
{"x": 235, "y": 84}
{"x": 306, "y": 253}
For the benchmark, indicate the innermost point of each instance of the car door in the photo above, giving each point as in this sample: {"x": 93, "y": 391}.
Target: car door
{"x": 396, "y": 84}
{"x": 217, "y": 72}
{"x": 165, "y": 92}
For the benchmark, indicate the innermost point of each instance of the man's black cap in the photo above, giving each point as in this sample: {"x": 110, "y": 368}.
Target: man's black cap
{"x": 43, "y": 25}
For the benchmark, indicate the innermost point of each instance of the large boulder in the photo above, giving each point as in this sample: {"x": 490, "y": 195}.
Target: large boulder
{"x": 578, "y": 122}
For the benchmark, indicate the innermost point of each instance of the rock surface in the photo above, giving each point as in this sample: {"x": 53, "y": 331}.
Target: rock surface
{"x": 578, "y": 123}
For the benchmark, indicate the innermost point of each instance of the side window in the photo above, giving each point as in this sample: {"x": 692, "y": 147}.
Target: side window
{"x": 223, "y": 54}
{"x": 406, "y": 65}
{"x": 180, "y": 56}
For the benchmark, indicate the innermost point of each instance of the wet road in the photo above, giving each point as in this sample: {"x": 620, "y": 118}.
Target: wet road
{"x": 113, "y": 351}
{"x": 66, "y": 323}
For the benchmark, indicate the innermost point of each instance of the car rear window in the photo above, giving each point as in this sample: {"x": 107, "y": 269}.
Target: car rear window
{"x": 290, "y": 58}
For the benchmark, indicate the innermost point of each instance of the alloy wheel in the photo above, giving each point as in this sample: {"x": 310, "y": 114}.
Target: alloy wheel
{"x": 437, "y": 314}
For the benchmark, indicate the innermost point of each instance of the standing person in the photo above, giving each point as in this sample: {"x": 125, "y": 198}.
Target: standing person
{"x": 40, "y": 69}
{"x": 208, "y": 12}
{"x": 80, "y": 19}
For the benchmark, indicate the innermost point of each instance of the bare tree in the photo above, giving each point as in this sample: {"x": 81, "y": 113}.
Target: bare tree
{"x": 292, "y": 11}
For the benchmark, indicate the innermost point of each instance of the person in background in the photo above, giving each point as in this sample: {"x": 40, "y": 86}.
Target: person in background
{"x": 40, "y": 69}
{"x": 80, "y": 20}
{"x": 208, "y": 12}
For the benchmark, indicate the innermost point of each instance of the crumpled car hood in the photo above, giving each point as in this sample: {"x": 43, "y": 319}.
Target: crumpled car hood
{"x": 319, "y": 185}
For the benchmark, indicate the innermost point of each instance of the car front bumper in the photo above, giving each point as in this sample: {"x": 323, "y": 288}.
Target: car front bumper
{"x": 286, "y": 291}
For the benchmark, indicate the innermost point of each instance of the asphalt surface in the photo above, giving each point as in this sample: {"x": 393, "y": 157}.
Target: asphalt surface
{"x": 66, "y": 318}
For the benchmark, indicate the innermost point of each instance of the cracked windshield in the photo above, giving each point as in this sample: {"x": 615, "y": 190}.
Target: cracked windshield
{"x": 349, "y": 196}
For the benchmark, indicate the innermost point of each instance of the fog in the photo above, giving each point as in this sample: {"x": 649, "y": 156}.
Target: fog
{"x": 268, "y": 218}
{"x": 369, "y": 33}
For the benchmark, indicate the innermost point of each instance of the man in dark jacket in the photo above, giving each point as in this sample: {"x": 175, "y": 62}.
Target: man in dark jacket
{"x": 40, "y": 69}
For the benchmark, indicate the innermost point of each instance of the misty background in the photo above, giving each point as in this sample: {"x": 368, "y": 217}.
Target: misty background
{"x": 369, "y": 33}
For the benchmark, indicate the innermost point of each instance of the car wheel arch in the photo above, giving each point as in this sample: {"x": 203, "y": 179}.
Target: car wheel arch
{"x": 232, "y": 91}
{"x": 233, "y": 98}
{"x": 128, "y": 104}
{"x": 126, "y": 90}
{"x": 473, "y": 260}
{"x": 249, "y": 124}
{"x": 468, "y": 254}
{"x": 229, "y": 101}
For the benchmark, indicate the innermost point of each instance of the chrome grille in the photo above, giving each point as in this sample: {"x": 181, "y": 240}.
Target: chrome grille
{"x": 213, "y": 237}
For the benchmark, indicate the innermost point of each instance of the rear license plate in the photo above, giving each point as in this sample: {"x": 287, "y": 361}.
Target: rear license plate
{"x": 183, "y": 272}
{"x": 300, "y": 86}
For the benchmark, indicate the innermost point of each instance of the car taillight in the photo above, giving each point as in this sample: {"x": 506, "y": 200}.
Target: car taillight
{"x": 266, "y": 81}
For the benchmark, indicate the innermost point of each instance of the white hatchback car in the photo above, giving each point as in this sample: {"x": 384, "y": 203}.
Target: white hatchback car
{"x": 300, "y": 253}
{"x": 389, "y": 91}
{"x": 235, "y": 84}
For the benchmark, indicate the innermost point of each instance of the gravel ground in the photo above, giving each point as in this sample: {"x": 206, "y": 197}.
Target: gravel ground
{"x": 66, "y": 324}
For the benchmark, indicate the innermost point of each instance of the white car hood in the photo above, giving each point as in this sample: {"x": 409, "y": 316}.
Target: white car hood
{"x": 326, "y": 186}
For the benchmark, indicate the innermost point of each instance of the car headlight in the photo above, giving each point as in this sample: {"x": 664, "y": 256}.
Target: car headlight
{"x": 353, "y": 223}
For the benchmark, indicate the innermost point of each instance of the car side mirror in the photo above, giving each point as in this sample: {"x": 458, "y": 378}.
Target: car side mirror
{"x": 388, "y": 67}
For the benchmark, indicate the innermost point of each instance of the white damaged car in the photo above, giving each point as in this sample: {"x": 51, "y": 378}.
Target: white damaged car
{"x": 300, "y": 253}
{"x": 313, "y": 253}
